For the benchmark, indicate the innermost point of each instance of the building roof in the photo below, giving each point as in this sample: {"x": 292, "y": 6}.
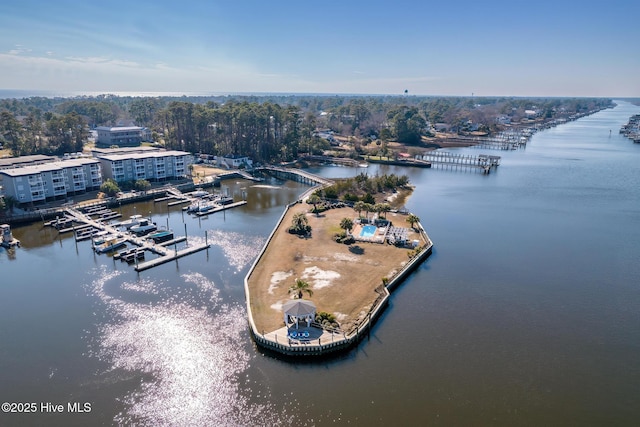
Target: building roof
{"x": 299, "y": 307}
{"x": 152, "y": 154}
{"x": 122, "y": 150}
{"x": 119, "y": 128}
{"x": 48, "y": 167}
{"x": 10, "y": 162}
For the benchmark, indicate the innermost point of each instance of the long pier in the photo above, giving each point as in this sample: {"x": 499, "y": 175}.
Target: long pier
{"x": 296, "y": 175}
{"x": 170, "y": 256}
{"x": 508, "y": 140}
{"x": 447, "y": 160}
{"x": 221, "y": 208}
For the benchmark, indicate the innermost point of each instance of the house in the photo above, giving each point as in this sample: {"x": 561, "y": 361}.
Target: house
{"x": 442, "y": 127}
{"x": 235, "y": 161}
{"x": 503, "y": 120}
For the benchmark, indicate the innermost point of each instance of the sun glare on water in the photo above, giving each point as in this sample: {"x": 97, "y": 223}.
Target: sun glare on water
{"x": 186, "y": 347}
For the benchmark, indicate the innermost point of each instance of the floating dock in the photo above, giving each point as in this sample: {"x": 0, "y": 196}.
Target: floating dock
{"x": 164, "y": 253}
{"x": 170, "y": 257}
{"x": 221, "y": 208}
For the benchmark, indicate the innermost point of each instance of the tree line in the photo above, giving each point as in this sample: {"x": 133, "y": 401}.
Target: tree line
{"x": 269, "y": 128}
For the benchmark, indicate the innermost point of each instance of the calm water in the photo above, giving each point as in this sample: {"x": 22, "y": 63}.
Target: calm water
{"x": 526, "y": 314}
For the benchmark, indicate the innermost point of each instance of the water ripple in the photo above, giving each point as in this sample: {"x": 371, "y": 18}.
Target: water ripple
{"x": 239, "y": 249}
{"x": 189, "y": 350}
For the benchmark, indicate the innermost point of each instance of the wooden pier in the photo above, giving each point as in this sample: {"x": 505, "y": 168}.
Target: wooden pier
{"x": 221, "y": 208}
{"x": 446, "y": 160}
{"x": 236, "y": 174}
{"x": 296, "y": 175}
{"x": 174, "y": 194}
{"x": 508, "y": 140}
{"x": 170, "y": 256}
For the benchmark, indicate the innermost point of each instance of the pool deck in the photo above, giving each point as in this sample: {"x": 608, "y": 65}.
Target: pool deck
{"x": 378, "y": 237}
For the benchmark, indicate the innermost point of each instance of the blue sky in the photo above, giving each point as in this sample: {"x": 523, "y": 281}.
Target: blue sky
{"x": 510, "y": 48}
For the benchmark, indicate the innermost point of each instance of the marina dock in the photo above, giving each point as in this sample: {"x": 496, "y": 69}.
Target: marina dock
{"x": 170, "y": 256}
{"x": 90, "y": 227}
{"x": 221, "y": 208}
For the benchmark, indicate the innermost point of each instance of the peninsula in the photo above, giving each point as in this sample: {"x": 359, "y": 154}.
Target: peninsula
{"x": 344, "y": 286}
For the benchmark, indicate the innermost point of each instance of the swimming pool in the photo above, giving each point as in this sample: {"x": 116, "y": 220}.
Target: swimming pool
{"x": 368, "y": 231}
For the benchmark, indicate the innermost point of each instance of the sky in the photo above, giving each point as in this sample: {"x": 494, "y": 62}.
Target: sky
{"x": 494, "y": 48}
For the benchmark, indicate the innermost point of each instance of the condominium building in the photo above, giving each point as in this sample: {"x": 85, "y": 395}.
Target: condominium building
{"x": 152, "y": 165}
{"x": 37, "y": 183}
{"x": 122, "y": 136}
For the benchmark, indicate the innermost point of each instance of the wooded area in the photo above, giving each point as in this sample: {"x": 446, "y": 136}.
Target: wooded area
{"x": 268, "y": 128}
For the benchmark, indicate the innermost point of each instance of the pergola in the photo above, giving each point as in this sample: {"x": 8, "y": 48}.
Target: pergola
{"x": 299, "y": 309}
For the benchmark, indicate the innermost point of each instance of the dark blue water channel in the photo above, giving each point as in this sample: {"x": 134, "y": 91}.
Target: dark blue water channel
{"x": 525, "y": 314}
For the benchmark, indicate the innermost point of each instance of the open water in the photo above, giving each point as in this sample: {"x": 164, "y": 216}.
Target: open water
{"x": 525, "y": 314}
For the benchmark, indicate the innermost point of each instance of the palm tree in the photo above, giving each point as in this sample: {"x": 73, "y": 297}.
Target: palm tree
{"x": 346, "y": 224}
{"x": 299, "y": 287}
{"x": 384, "y": 208}
{"x": 368, "y": 207}
{"x": 314, "y": 199}
{"x": 299, "y": 221}
{"x": 412, "y": 219}
{"x": 359, "y": 207}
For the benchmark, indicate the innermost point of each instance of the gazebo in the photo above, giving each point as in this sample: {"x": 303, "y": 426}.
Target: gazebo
{"x": 299, "y": 309}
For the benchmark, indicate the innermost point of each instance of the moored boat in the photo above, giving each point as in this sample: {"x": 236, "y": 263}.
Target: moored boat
{"x": 131, "y": 222}
{"x": 110, "y": 245}
{"x": 224, "y": 200}
{"x": 161, "y": 236}
{"x": 6, "y": 237}
{"x": 144, "y": 227}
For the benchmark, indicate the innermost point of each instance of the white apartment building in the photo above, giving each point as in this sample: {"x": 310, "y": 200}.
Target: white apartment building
{"x": 122, "y": 136}
{"x": 152, "y": 165}
{"x": 38, "y": 183}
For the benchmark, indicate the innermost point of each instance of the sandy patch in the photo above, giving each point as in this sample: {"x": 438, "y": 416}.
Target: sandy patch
{"x": 308, "y": 259}
{"x": 319, "y": 278}
{"x": 345, "y": 257}
{"x": 277, "y": 305}
{"x": 276, "y": 278}
{"x": 340, "y": 316}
